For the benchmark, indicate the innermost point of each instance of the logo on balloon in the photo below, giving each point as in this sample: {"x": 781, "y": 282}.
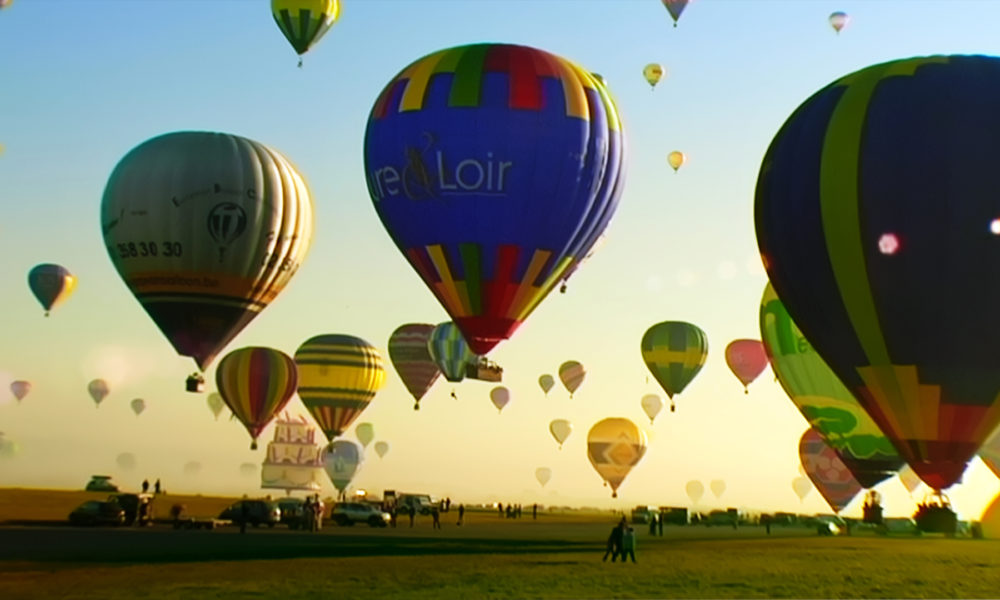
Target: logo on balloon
{"x": 226, "y": 222}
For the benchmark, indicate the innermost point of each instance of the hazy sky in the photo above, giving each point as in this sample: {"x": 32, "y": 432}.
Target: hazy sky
{"x": 81, "y": 83}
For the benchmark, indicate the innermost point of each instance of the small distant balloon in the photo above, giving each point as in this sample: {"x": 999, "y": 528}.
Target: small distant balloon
{"x": 341, "y": 462}
{"x": 546, "y": 382}
{"x": 98, "y": 390}
{"x": 20, "y": 389}
{"x": 802, "y": 486}
{"x": 676, "y": 159}
{"x": 51, "y": 285}
{"x": 138, "y": 405}
{"x": 718, "y": 487}
{"x": 126, "y": 461}
{"x": 560, "y": 430}
{"x": 381, "y": 448}
{"x": 365, "y": 433}
{"x": 675, "y": 8}
{"x": 653, "y": 72}
{"x": 695, "y": 490}
{"x": 746, "y": 359}
{"x": 839, "y": 20}
{"x": 572, "y": 374}
{"x": 651, "y": 405}
{"x": 500, "y": 396}
{"x": 216, "y": 404}
{"x": 543, "y": 475}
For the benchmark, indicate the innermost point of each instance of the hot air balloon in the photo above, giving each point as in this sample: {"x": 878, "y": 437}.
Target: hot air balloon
{"x": 543, "y": 475}
{"x": 990, "y": 454}
{"x": 909, "y": 479}
{"x": 341, "y": 462}
{"x": 410, "y": 356}
{"x": 614, "y": 446}
{"x": 98, "y": 390}
{"x": 248, "y": 470}
{"x": 546, "y": 382}
{"x": 365, "y": 433}
{"x": 500, "y": 396}
{"x": 256, "y": 384}
{"x": 850, "y": 222}
{"x": 450, "y": 352}
{"x": 205, "y": 229}
{"x": 746, "y": 359}
{"x": 822, "y": 399}
{"x": 5, "y": 3}
{"x": 381, "y": 448}
{"x": 676, "y": 159}
{"x": 303, "y": 22}
{"x": 695, "y": 490}
{"x": 126, "y": 461}
{"x": 216, "y": 404}
{"x": 560, "y": 430}
{"x": 839, "y": 20}
{"x": 138, "y": 405}
{"x": 652, "y": 72}
{"x": 20, "y": 389}
{"x": 651, "y": 405}
{"x": 338, "y": 377}
{"x": 674, "y": 352}
{"x": 51, "y": 285}
{"x": 718, "y": 487}
{"x": 571, "y": 373}
{"x": 801, "y": 486}
{"x": 826, "y": 471}
{"x": 675, "y": 8}
{"x": 453, "y": 149}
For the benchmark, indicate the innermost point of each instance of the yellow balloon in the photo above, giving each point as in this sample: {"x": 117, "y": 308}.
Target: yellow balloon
{"x": 652, "y": 72}
{"x": 614, "y": 446}
{"x": 676, "y": 159}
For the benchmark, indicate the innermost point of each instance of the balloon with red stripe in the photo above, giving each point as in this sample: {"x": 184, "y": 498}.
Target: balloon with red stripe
{"x": 256, "y": 384}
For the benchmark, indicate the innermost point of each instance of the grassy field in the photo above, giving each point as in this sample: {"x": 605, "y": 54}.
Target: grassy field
{"x": 557, "y": 556}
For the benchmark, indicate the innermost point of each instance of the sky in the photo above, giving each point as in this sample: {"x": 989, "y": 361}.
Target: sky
{"x": 82, "y": 83}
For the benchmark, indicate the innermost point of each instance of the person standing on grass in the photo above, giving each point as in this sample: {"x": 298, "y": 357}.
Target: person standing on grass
{"x": 534, "y": 511}
{"x": 614, "y": 546}
{"x": 628, "y": 544}
{"x": 652, "y": 523}
{"x": 461, "y": 513}
{"x": 436, "y": 516}
{"x": 660, "y": 522}
{"x": 413, "y": 514}
{"x": 145, "y": 486}
{"x": 500, "y": 509}
{"x": 156, "y": 486}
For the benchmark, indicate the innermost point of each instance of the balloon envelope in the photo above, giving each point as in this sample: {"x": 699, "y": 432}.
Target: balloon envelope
{"x": 453, "y": 150}
{"x": 990, "y": 453}
{"x": 560, "y": 430}
{"x": 839, "y": 20}
{"x": 256, "y": 384}
{"x": 98, "y": 390}
{"x": 205, "y": 229}
{"x": 341, "y": 462}
{"x": 674, "y": 352}
{"x": 718, "y": 487}
{"x": 746, "y": 359}
{"x": 675, "y": 8}
{"x": 614, "y": 446}
{"x": 826, "y": 471}
{"x": 822, "y": 399}
{"x": 215, "y": 404}
{"x": 652, "y": 72}
{"x": 883, "y": 277}
{"x": 572, "y": 374}
{"x": 500, "y": 396}
{"x": 695, "y": 490}
{"x": 546, "y": 382}
{"x": 910, "y": 480}
{"x": 801, "y": 486}
{"x": 51, "y": 285}
{"x": 338, "y": 377}
{"x": 381, "y": 448}
{"x": 543, "y": 475}
{"x": 20, "y": 389}
{"x": 676, "y": 159}
{"x": 410, "y": 356}
{"x": 651, "y": 405}
{"x": 304, "y": 22}
{"x": 138, "y": 405}
{"x": 365, "y": 433}
{"x": 450, "y": 352}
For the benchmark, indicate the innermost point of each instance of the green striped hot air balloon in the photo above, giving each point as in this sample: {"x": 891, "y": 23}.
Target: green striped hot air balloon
{"x": 674, "y": 352}
{"x": 338, "y": 377}
{"x": 304, "y": 22}
{"x": 449, "y": 351}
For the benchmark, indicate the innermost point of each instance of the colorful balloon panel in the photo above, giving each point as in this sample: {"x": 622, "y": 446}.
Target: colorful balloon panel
{"x": 256, "y": 384}
{"x": 338, "y": 377}
{"x": 674, "y": 352}
{"x": 412, "y": 360}
{"x": 746, "y": 359}
{"x": 449, "y": 350}
{"x": 910, "y": 480}
{"x": 494, "y": 168}
{"x": 826, "y": 471}
{"x": 990, "y": 453}
{"x": 205, "y": 229}
{"x": 51, "y": 285}
{"x": 341, "y": 462}
{"x": 822, "y": 399}
{"x": 304, "y": 22}
{"x": 572, "y": 374}
{"x": 614, "y": 446}
{"x": 885, "y": 277}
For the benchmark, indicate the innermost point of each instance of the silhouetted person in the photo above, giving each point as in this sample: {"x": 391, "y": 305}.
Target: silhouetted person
{"x": 652, "y": 523}
{"x": 436, "y": 517}
{"x": 393, "y": 512}
{"x": 145, "y": 486}
{"x": 156, "y": 486}
{"x": 500, "y": 509}
{"x": 628, "y": 544}
{"x": 614, "y": 546}
{"x": 461, "y": 513}
{"x": 534, "y": 511}
{"x": 659, "y": 523}
{"x": 447, "y": 504}
{"x": 766, "y": 520}
{"x": 413, "y": 514}
{"x": 518, "y": 511}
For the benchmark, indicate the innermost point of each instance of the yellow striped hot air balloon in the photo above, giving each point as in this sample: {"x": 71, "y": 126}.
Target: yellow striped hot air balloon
{"x": 614, "y": 446}
{"x": 256, "y": 384}
{"x": 338, "y": 377}
{"x": 304, "y": 21}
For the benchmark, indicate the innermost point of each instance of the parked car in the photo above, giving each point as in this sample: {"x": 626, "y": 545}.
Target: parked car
{"x": 256, "y": 513}
{"x": 349, "y": 513}
{"x": 293, "y": 512}
{"x": 96, "y": 512}
{"x": 100, "y": 483}
{"x": 422, "y": 503}
{"x": 138, "y": 507}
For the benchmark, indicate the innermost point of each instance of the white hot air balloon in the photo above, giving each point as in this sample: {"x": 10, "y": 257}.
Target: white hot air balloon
{"x": 651, "y": 405}
{"x": 543, "y": 475}
{"x": 560, "y": 430}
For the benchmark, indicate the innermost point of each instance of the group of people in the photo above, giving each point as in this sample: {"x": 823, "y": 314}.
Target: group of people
{"x": 621, "y": 542}
{"x": 145, "y": 486}
{"x": 513, "y": 511}
{"x": 312, "y": 513}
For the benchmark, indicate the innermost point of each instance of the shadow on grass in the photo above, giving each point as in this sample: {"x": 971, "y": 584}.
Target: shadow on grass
{"x": 141, "y": 546}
